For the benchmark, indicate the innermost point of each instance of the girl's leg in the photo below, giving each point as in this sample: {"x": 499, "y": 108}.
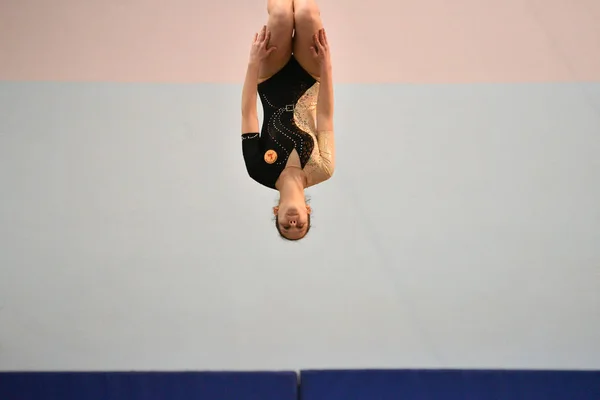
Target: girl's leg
{"x": 307, "y": 22}
{"x": 281, "y": 25}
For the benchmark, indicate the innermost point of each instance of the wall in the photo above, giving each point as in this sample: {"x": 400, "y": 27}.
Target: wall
{"x": 460, "y": 229}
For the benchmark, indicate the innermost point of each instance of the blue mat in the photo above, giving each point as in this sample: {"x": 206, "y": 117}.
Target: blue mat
{"x": 149, "y": 386}
{"x": 449, "y": 385}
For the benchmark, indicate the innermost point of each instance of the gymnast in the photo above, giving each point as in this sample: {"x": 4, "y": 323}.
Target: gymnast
{"x": 290, "y": 68}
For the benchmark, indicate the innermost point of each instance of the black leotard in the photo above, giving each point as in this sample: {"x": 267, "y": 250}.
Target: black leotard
{"x": 266, "y": 153}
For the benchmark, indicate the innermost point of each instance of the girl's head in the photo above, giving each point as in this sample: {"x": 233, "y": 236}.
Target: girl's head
{"x": 292, "y": 219}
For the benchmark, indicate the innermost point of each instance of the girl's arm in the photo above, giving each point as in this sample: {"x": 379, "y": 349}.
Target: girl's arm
{"x": 258, "y": 53}
{"x": 325, "y": 106}
{"x": 249, "y": 98}
{"x": 325, "y": 100}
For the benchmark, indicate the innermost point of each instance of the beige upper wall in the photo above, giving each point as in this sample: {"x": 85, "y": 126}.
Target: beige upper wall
{"x": 421, "y": 41}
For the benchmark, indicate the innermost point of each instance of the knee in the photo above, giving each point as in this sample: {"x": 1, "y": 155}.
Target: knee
{"x": 280, "y": 13}
{"x": 307, "y": 13}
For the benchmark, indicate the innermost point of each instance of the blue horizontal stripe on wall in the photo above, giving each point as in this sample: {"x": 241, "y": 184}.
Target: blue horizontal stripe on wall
{"x": 148, "y": 386}
{"x": 450, "y": 385}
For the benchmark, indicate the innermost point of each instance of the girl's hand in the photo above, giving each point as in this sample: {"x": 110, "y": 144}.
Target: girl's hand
{"x": 259, "y": 51}
{"x": 320, "y": 50}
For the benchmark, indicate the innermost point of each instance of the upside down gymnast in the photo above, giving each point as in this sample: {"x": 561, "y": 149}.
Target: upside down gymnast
{"x": 290, "y": 68}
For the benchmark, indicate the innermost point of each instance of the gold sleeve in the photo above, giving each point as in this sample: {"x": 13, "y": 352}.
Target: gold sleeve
{"x": 321, "y": 165}
{"x": 322, "y": 162}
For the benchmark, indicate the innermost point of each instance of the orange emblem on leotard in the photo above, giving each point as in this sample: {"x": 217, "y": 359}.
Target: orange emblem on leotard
{"x": 270, "y": 156}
